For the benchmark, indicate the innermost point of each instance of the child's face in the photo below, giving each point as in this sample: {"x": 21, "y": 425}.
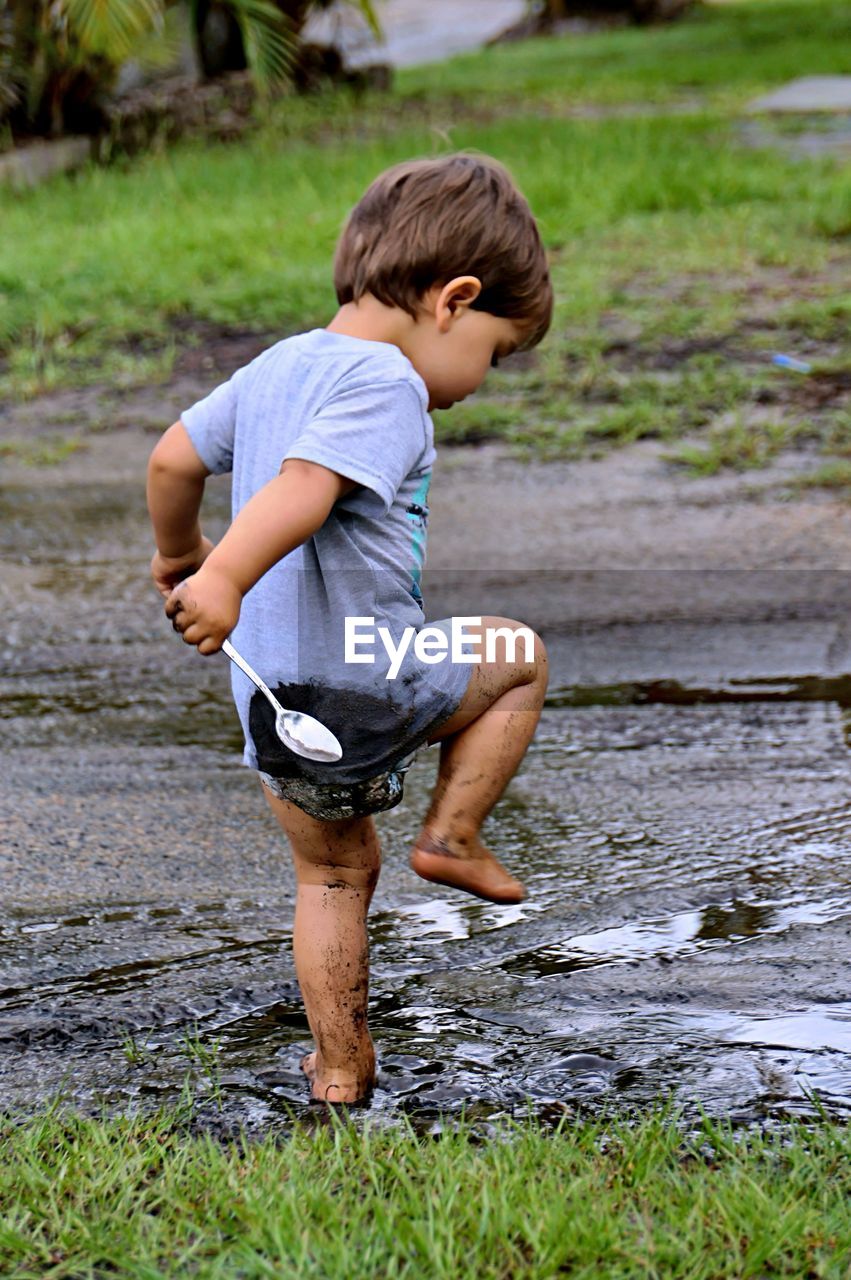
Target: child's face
{"x": 453, "y": 347}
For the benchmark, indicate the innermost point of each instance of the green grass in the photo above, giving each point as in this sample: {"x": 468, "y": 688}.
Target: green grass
{"x": 137, "y": 1197}
{"x": 723, "y": 53}
{"x": 43, "y": 452}
{"x": 681, "y": 260}
{"x": 833, "y": 475}
{"x": 736, "y": 445}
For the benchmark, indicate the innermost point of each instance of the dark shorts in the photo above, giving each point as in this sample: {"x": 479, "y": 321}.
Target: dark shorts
{"x": 352, "y": 800}
{"x": 331, "y": 802}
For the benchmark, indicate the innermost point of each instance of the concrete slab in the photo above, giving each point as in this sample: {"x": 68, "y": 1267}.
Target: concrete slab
{"x": 809, "y": 93}
{"x": 415, "y": 32}
{"x": 28, "y": 166}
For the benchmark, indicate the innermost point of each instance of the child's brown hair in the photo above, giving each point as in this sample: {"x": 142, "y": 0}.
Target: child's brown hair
{"x": 423, "y": 222}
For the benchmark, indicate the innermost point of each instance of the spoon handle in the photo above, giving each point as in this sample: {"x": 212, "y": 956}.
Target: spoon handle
{"x": 240, "y": 662}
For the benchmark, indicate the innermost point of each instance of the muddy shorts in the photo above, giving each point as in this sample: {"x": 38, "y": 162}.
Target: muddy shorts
{"x": 353, "y": 800}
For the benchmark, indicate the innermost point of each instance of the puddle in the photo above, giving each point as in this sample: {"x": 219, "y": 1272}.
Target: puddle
{"x": 684, "y": 847}
{"x": 686, "y": 932}
{"x": 95, "y": 703}
{"x": 683, "y": 934}
{"x": 675, "y": 692}
{"x": 471, "y": 1005}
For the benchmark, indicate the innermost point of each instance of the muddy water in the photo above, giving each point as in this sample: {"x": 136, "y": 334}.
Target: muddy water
{"x": 686, "y": 930}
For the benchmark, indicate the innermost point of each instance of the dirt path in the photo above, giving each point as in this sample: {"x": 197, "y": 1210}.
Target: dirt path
{"x": 572, "y": 547}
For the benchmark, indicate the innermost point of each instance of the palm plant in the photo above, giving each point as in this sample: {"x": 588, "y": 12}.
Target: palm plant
{"x": 59, "y": 57}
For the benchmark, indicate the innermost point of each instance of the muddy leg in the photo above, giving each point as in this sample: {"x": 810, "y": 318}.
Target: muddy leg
{"x": 481, "y": 746}
{"x": 337, "y": 866}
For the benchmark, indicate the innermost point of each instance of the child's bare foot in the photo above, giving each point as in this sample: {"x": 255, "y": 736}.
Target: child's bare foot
{"x": 465, "y": 865}
{"x": 339, "y": 1086}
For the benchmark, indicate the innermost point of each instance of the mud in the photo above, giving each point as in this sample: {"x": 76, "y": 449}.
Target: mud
{"x": 351, "y": 709}
{"x": 681, "y": 821}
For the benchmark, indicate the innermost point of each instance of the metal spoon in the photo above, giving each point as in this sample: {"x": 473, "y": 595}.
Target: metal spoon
{"x": 301, "y": 733}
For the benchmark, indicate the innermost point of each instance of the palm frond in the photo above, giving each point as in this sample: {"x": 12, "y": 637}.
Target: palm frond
{"x": 160, "y": 49}
{"x": 112, "y": 27}
{"x": 270, "y": 42}
{"x": 367, "y": 8}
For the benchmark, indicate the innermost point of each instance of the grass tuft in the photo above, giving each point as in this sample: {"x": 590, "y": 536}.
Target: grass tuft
{"x": 737, "y": 445}
{"x": 832, "y": 475}
{"x": 44, "y": 452}
{"x": 613, "y": 1196}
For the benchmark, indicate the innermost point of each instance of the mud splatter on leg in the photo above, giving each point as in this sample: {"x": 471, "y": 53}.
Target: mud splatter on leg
{"x": 482, "y": 745}
{"x": 337, "y": 866}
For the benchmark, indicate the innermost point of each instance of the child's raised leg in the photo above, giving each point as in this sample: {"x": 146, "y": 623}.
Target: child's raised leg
{"x": 337, "y": 866}
{"x": 482, "y": 744}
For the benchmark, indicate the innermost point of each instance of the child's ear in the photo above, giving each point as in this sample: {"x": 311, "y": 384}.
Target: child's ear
{"x": 454, "y": 297}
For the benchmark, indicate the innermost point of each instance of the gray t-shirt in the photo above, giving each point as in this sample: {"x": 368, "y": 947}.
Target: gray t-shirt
{"x": 360, "y": 408}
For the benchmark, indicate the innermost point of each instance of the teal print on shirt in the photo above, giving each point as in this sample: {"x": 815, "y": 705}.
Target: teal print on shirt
{"x": 417, "y": 513}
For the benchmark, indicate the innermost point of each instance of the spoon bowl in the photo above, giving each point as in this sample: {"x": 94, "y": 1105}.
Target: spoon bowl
{"x": 298, "y": 731}
{"x": 305, "y": 736}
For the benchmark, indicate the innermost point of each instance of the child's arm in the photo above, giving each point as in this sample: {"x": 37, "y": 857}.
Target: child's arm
{"x": 176, "y": 478}
{"x": 281, "y": 516}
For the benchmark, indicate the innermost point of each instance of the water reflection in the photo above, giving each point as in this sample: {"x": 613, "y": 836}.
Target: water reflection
{"x": 687, "y": 932}
{"x": 117, "y": 1032}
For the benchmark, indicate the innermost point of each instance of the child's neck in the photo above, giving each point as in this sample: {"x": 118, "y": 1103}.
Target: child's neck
{"x": 372, "y": 320}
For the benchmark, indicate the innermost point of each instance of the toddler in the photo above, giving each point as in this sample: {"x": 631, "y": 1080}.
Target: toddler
{"x": 439, "y": 273}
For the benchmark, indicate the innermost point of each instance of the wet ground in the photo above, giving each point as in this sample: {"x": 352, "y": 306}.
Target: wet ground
{"x": 682, "y": 820}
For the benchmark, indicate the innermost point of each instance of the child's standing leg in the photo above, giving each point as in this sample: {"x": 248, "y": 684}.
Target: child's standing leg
{"x": 337, "y": 866}
{"x": 482, "y": 744}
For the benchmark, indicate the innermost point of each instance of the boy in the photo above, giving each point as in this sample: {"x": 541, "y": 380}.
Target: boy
{"x": 439, "y": 273}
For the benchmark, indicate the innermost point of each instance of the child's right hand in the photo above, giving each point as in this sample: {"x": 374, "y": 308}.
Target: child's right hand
{"x": 205, "y": 609}
{"x": 168, "y": 571}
